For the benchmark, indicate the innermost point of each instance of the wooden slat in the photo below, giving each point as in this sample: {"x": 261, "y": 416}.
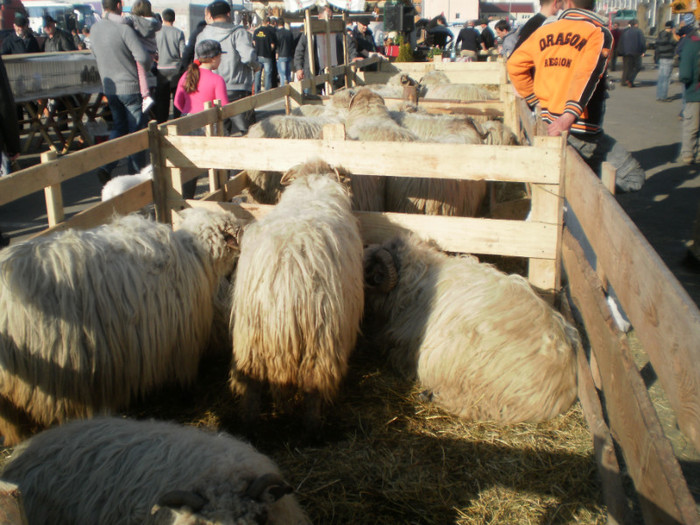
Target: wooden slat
{"x": 254, "y": 101}
{"x": 36, "y": 178}
{"x": 131, "y": 200}
{"x": 506, "y": 163}
{"x": 188, "y": 123}
{"x": 334, "y": 25}
{"x": 11, "y": 505}
{"x": 453, "y": 234}
{"x": 658, "y": 479}
{"x": 53, "y": 195}
{"x": 665, "y": 318}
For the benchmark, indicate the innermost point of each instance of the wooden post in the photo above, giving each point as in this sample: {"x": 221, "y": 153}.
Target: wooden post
{"x": 53, "y": 195}
{"x": 212, "y": 130}
{"x": 607, "y": 177}
{"x": 346, "y": 56}
{"x": 11, "y": 506}
{"x": 160, "y": 178}
{"x": 310, "y": 47}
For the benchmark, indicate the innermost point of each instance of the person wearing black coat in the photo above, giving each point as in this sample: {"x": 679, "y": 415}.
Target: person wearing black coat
{"x": 22, "y": 40}
{"x": 632, "y": 47}
{"x": 663, "y": 56}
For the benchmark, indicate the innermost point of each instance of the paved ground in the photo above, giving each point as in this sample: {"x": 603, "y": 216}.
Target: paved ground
{"x": 667, "y": 203}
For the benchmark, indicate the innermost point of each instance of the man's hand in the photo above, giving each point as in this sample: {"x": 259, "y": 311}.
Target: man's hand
{"x": 561, "y": 125}
{"x": 14, "y": 157}
{"x": 300, "y": 74}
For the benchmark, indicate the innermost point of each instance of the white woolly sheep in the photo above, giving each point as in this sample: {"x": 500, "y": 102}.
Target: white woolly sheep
{"x": 111, "y": 471}
{"x": 439, "y": 128}
{"x": 122, "y": 183}
{"x": 437, "y": 85}
{"x": 292, "y": 127}
{"x": 92, "y": 319}
{"x": 298, "y": 296}
{"x": 481, "y": 342}
{"x": 369, "y": 119}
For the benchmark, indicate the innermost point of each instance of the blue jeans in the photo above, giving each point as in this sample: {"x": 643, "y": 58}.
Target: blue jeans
{"x": 284, "y": 68}
{"x": 267, "y": 66}
{"x": 127, "y": 117}
{"x": 665, "y": 68}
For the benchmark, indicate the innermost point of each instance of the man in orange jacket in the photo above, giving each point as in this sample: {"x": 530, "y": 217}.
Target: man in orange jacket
{"x": 562, "y": 68}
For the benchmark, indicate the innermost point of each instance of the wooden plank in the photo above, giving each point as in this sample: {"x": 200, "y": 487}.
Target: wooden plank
{"x": 447, "y": 161}
{"x": 546, "y": 205}
{"x": 188, "y": 123}
{"x": 334, "y": 25}
{"x": 161, "y": 175}
{"x": 453, "y": 234}
{"x": 663, "y": 492}
{"x": 255, "y": 101}
{"x": 36, "y": 178}
{"x": 11, "y": 505}
{"x": 53, "y": 195}
{"x": 235, "y": 185}
{"x": 131, "y": 200}
{"x": 608, "y": 467}
{"x": 665, "y": 318}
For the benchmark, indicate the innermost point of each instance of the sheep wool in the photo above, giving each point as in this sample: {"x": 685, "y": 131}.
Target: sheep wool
{"x": 298, "y": 296}
{"x": 481, "y": 342}
{"x": 112, "y": 471}
{"x": 92, "y": 319}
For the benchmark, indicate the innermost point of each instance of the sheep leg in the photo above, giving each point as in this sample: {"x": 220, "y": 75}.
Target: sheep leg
{"x": 313, "y": 405}
{"x": 250, "y": 404}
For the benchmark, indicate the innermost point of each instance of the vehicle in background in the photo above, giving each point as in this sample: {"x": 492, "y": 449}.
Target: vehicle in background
{"x": 68, "y": 15}
{"x": 623, "y": 17}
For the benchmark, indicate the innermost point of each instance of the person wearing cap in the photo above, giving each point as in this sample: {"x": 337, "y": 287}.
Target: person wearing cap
{"x": 239, "y": 62}
{"x": 56, "y": 39}
{"x": 302, "y": 63}
{"x": 663, "y": 56}
{"x": 117, "y": 50}
{"x": 22, "y": 40}
{"x": 364, "y": 39}
{"x": 198, "y": 85}
{"x": 632, "y": 48}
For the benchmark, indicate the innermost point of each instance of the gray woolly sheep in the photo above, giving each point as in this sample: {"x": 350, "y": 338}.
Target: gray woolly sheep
{"x": 369, "y": 119}
{"x": 298, "y": 296}
{"x": 439, "y": 128}
{"x": 111, "y": 471}
{"x": 292, "y": 127}
{"x": 436, "y": 84}
{"x": 481, "y": 342}
{"x": 92, "y": 319}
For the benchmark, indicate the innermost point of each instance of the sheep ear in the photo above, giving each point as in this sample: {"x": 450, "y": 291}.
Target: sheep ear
{"x": 268, "y": 488}
{"x": 380, "y": 269}
{"x": 182, "y": 498}
{"x": 233, "y": 237}
{"x": 288, "y": 178}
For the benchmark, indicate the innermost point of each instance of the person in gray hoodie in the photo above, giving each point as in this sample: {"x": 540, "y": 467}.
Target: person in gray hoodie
{"x": 117, "y": 49}
{"x": 238, "y": 63}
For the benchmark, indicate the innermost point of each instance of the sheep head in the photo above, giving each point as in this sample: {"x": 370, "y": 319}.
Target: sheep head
{"x": 315, "y": 167}
{"x": 381, "y": 268}
{"x": 365, "y": 98}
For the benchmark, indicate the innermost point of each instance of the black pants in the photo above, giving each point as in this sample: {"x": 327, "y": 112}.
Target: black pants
{"x": 165, "y": 90}
{"x": 631, "y": 65}
{"x": 238, "y": 125}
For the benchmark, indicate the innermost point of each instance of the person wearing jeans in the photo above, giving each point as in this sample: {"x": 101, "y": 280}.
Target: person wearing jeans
{"x": 663, "y": 56}
{"x": 285, "y": 52}
{"x": 117, "y": 50}
{"x": 265, "y": 38}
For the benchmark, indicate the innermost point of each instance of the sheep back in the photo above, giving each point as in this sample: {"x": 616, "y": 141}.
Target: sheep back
{"x": 114, "y": 471}
{"x": 298, "y": 297}
{"x": 482, "y": 342}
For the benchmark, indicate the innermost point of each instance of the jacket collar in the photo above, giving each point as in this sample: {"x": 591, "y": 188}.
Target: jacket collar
{"x": 584, "y": 15}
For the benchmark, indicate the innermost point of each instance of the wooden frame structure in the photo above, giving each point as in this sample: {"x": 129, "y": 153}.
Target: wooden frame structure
{"x": 613, "y": 395}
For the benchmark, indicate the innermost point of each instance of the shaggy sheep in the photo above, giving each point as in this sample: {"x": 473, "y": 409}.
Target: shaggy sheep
{"x": 481, "y": 342}
{"x": 111, "y": 471}
{"x": 369, "y": 119}
{"x": 298, "y": 296}
{"x": 93, "y": 319}
{"x": 439, "y": 128}
{"x": 120, "y": 184}
{"x": 436, "y": 84}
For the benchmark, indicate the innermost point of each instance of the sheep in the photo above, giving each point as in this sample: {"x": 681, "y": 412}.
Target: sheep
{"x": 122, "y": 183}
{"x": 437, "y": 85}
{"x": 482, "y": 343}
{"x": 90, "y": 320}
{"x": 111, "y": 471}
{"x": 369, "y": 119}
{"x": 298, "y": 296}
{"x": 439, "y": 128}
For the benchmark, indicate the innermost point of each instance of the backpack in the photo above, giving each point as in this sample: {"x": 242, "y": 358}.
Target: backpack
{"x": 510, "y": 40}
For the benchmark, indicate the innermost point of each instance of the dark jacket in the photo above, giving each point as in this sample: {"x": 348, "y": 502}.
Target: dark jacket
{"x": 285, "y": 43}
{"x": 688, "y": 67}
{"x": 469, "y": 38}
{"x": 488, "y": 38}
{"x": 188, "y": 53}
{"x": 9, "y": 129}
{"x": 301, "y": 56}
{"x": 364, "y": 42}
{"x": 665, "y": 45}
{"x": 15, "y": 45}
{"x": 61, "y": 41}
{"x": 632, "y": 42}
{"x": 530, "y": 27}
{"x": 265, "y": 39}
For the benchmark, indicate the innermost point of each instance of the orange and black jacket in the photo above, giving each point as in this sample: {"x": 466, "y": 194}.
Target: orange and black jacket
{"x": 569, "y": 58}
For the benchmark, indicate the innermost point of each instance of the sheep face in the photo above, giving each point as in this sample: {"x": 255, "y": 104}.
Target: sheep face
{"x": 218, "y": 233}
{"x": 223, "y": 506}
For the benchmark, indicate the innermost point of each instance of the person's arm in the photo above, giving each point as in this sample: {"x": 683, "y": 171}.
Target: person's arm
{"x": 180, "y": 95}
{"x": 300, "y": 57}
{"x": 181, "y": 44}
{"x": 67, "y": 43}
{"x": 243, "y": 45}
{"x": 133, "y": 43}
{"x": 687, "y": 64}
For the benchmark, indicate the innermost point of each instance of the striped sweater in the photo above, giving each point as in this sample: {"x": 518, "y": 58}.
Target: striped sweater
{"x": 569, "y": 58}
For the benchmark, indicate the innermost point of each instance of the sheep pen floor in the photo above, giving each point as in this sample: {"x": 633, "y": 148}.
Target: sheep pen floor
{"x": 387, "y": 457}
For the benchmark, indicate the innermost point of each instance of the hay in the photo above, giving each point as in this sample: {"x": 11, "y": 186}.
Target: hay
{"x": 389, "y": 457}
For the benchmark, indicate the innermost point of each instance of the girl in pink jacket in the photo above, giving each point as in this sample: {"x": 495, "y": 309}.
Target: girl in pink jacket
{"x": 200, "y": 84}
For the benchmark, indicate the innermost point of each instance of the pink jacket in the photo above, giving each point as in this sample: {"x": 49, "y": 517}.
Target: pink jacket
{"x": 211, "y": 87}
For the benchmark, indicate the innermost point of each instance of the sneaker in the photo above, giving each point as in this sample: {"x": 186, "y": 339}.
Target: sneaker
{"x": 147, "y": 104}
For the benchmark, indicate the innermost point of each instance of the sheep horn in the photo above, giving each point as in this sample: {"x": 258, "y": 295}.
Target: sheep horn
{"x": 385, "y": 272}
{"x": 182, "y": 498}
{"x": 268, "y": 488}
